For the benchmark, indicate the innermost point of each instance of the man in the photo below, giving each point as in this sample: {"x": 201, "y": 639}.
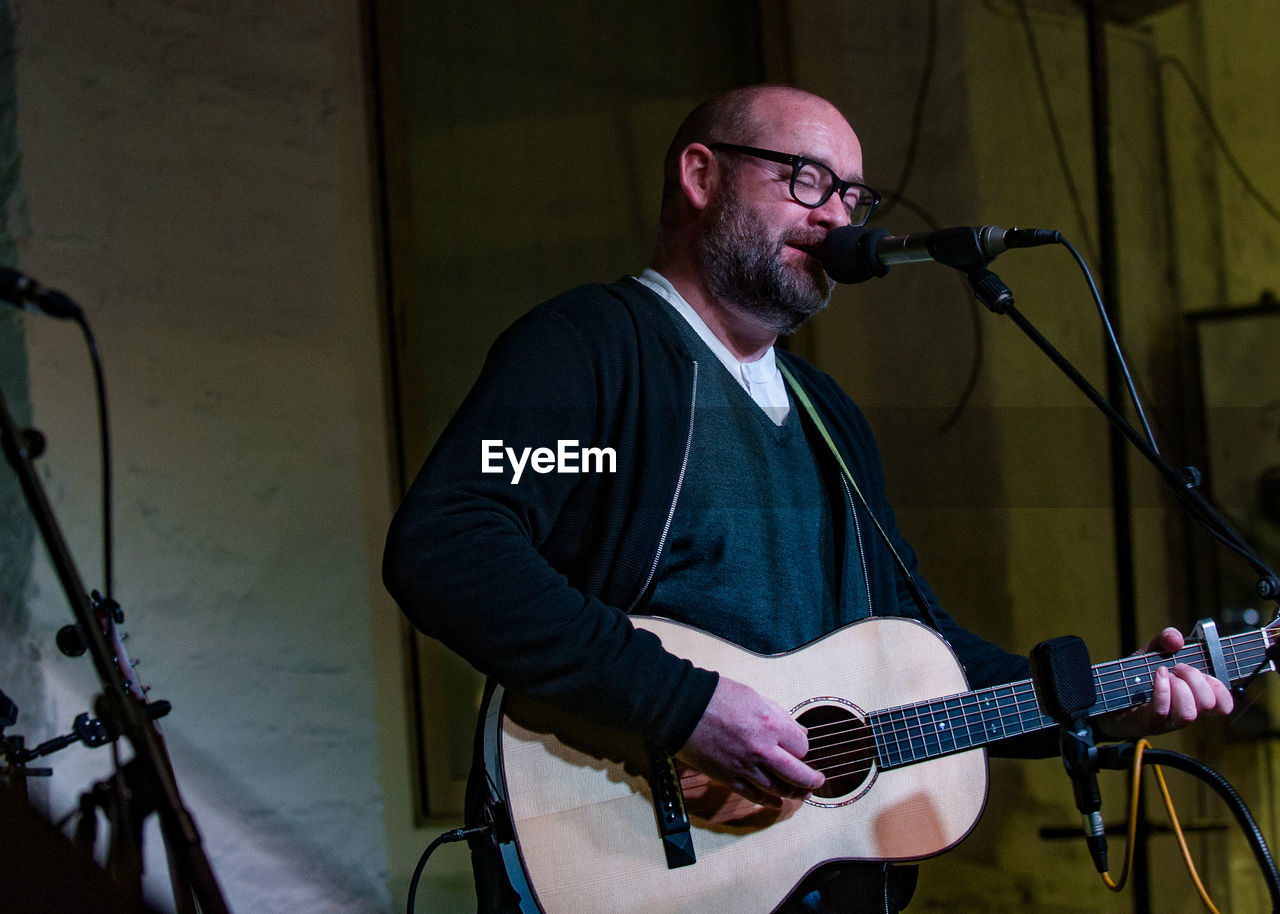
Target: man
{"x": 727, "y": 508}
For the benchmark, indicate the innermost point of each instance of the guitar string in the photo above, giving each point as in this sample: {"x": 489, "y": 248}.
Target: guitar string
{"x": 909, "y": 746}
{"x": 911, "y": 735}
{"x": 1124, "y": 669}
{"x": 918, "y": 717}
{"x": 1243, "y": 654}
{"x": 923, "y": 718}
{"x": 948, "y": 705}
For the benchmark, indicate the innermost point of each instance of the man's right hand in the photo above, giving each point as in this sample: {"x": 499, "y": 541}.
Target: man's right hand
{"x": 752, "y": 745}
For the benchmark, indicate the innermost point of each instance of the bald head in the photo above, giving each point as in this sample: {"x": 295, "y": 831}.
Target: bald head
{"x": 737, "y": 116}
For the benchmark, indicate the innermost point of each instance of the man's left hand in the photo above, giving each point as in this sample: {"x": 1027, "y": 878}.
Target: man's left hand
{"x": 1179, "y": 695}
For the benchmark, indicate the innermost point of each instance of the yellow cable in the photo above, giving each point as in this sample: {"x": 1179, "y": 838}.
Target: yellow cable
{"x": 1182, "y": 841}
{"x": 1139, "y": 747}
{"x": 1134, "y": 793}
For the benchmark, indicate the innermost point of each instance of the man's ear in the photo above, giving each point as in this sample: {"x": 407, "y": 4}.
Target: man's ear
{"x": 699, "y": 174}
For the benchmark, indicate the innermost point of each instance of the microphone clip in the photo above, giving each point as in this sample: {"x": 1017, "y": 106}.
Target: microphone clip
{"x": 966, "y": 248}
{"x": 991, "y": 290}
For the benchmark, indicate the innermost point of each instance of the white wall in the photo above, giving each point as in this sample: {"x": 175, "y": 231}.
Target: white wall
{"x": 197, "y": 177}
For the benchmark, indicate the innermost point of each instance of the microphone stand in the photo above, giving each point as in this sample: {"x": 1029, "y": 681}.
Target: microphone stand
{"x": 1079, "y": 754}
{"x": 996, "y": 296}
{"x": 192, "y": 877}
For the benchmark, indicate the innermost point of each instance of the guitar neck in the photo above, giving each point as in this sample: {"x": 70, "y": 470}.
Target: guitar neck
{"x": 915, "y": 733}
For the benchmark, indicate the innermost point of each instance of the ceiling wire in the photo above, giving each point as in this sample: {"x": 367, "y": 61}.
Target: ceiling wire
{"x": 917, "y": 118}
{"x": 1055, "y": 131}
{"x": 1218, "y": 137}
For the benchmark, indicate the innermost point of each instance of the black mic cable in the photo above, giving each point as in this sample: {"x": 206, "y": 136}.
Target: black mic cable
{"x": 23, "y": 291}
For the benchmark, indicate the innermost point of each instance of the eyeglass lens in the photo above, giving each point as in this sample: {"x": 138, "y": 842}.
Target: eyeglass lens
{"x": 813, "y": 184}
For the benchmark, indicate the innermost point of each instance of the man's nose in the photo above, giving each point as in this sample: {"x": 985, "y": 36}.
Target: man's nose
{"x": 833, "y": 213}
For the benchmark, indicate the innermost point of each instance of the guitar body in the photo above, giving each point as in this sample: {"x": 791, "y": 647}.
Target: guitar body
{"x": 586, "y": 836}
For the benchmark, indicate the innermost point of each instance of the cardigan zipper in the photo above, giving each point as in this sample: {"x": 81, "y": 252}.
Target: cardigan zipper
{"x": 675, "y": 496}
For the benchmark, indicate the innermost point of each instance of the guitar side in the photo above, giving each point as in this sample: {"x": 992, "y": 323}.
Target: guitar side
{"x": 583, "y": 815}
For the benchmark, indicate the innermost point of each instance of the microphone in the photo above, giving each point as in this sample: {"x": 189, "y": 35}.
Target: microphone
{"x": 1064, "y": 686}
{"x": 23, "y": 291}
{"x": 856, "y": 253}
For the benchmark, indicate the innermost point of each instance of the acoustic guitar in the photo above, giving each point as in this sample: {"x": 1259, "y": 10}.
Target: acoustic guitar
{"x": 600, "y": 824}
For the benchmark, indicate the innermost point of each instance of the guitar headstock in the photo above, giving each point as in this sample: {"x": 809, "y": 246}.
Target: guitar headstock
{"x": 109, "y": 615}
{"x": 1271, "y": 631}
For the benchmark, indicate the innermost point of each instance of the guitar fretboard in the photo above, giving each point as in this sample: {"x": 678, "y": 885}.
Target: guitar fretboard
{"x": 915, "y": 733}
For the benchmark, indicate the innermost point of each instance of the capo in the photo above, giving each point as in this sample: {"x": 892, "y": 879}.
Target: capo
{"x": 1206, "y": 631}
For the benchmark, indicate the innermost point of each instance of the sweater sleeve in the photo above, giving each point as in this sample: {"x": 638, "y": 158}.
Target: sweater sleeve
{"x": 464, "y": 561}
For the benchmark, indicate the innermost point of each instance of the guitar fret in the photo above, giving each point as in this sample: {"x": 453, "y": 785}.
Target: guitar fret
{"x": 893, "y": 754}
{"x": 956, "y": 723}
{"x": 973, "y": 726}
{"x": 947, "y": 738}
{"x": 882, "y": 746}
{"x": 1126, "y": 682}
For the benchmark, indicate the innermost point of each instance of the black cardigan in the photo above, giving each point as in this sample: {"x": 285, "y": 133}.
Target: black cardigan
{"x": 532, "y": 582}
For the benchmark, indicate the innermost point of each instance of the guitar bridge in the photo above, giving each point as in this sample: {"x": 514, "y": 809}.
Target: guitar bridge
{"x": 668, "y": 806}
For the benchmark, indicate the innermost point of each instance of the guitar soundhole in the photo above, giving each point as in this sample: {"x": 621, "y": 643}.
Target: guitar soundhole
{"x": 841, "y": 747}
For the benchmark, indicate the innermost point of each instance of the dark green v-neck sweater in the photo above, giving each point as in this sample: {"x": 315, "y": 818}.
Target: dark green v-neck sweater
{"x": 757, "y": 552}
{"x": 532, "y": 582}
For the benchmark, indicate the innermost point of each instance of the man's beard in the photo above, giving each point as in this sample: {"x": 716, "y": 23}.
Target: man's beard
{"x": 744, "y": 268}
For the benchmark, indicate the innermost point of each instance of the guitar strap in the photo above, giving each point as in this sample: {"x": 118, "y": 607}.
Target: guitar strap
{"x": 926, "y": 610}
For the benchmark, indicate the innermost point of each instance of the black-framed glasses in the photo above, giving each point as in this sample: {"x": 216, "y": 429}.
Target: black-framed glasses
{"x": 813, "y": 183}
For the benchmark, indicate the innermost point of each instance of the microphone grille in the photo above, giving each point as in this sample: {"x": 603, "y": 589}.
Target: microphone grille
{"x": 1063, "y": 677}
{"x": 849, "y": 254}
